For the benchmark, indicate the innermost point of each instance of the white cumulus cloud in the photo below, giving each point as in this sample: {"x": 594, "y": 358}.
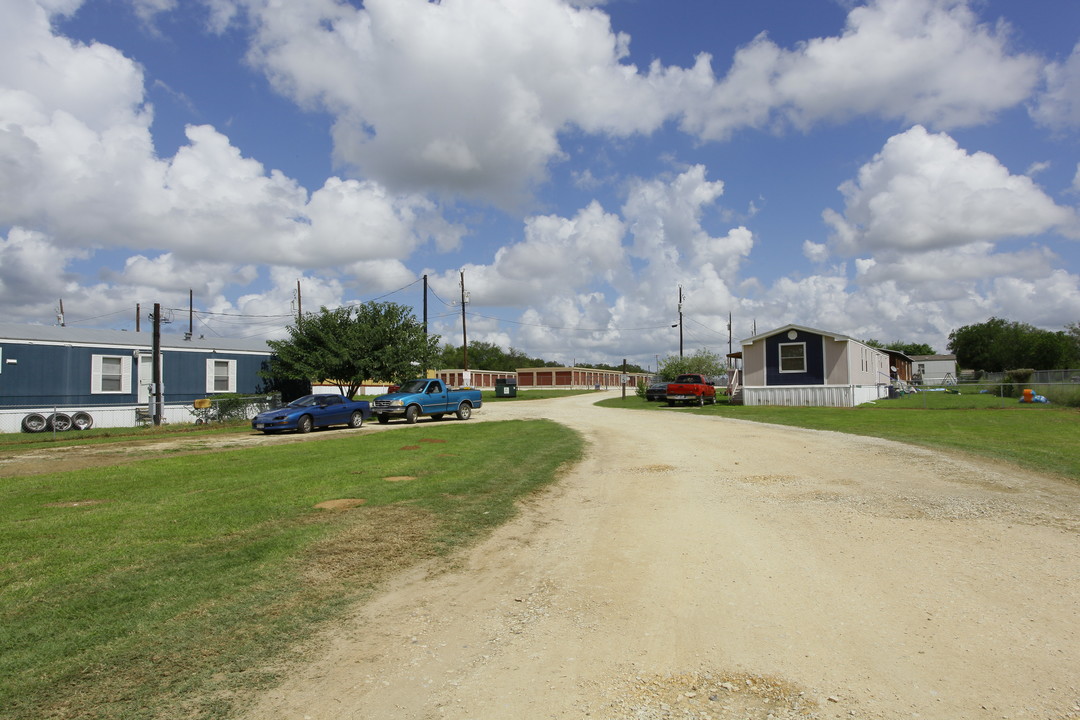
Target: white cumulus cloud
{"x": 922, "y": 192}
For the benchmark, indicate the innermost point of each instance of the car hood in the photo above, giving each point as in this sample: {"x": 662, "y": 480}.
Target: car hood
{"x": 278, "y": 412}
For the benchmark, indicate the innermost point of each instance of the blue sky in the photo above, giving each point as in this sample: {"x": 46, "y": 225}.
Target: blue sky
{"x": 892, "y": 169}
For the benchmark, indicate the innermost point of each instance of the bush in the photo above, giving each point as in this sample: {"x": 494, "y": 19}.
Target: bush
{"x": 1014, "y": 379}
{"x": 641, "y": 385}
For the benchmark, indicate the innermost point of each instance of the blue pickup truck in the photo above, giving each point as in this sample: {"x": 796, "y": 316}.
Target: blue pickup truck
{"x": 312, "y": 411}
{"x": 425, "y": 397}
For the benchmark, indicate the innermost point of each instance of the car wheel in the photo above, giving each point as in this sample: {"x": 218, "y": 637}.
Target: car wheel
{"x": 82, "y": 420}
{"x": 304, "y": 424}
{"x": 33, "y": 423}
{"x": 383, "y": 419}
{"x": 464, "y": 411}
{"x": 412, "y": 414}
{"x": 701, "y": 401}
{"x": 357, "y": 419}
{"x": 59, "y": 422}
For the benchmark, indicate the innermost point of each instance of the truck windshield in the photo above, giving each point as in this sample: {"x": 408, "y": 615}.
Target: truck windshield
{"x": 413, "y": 386}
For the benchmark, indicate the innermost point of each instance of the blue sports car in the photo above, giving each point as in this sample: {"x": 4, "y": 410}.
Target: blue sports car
{"x": 313, "y": 411}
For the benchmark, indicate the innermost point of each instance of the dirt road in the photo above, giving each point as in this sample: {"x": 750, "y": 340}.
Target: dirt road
{"x": 709, "y": 568}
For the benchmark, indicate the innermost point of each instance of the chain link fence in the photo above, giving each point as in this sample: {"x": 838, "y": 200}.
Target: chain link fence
{"x": 986, "y": 394}
{"x": 60, "y": 416}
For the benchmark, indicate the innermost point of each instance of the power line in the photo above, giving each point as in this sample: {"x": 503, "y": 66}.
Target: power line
{"x": 557, "y": 327}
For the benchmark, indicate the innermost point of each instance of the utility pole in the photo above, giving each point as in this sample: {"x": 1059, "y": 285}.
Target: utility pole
{"x": 729, "y": 337}
{"x": 680, "y": 323}
{"x": 623, "y": 378}
{"x": 158, "y": 400}
{"x": 425, "y": 306}
{"x": 299, "y": 305}
{"x": 190, "y": 313}
{"x": 138, "y": 317}
{"x": 60, "y": 315}
{"x": 464, "y": 335}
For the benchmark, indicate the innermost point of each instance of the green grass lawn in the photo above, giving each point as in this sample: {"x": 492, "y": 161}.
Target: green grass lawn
{"x": 152, "y": 589}
{"x": 1040, "y": 437}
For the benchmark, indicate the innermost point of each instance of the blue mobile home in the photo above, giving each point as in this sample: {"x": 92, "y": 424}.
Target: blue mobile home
{"x": 108, "y": 373}
{"x": 801, "y": 366}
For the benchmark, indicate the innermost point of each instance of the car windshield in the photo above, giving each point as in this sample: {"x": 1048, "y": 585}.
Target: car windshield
{"x": 413, "y": 386}
{"x": 306, "y": 401}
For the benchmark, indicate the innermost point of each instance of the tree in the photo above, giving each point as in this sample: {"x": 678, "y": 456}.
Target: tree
{"x": 904, "y": 347}
{"x": 912, "y": 348}
{"x": 350, "y": 345}
{"x": 998, "y": 345}
{"x": 702, "y": 362}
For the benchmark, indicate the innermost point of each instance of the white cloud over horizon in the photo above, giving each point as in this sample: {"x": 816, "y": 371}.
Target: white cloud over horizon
{"x": 445, "y": 116}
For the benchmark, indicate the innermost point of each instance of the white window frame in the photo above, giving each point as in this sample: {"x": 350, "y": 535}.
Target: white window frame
{"x": 780, "y": 357}
{"x": 97, "y": 375}
{"x": 211, "y": 375}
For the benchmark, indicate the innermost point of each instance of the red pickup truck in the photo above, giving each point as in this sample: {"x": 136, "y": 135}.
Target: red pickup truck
{"x": 691, "y": 389}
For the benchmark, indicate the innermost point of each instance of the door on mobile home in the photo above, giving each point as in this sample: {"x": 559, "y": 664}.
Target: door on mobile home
{"x": 146, "y": 377}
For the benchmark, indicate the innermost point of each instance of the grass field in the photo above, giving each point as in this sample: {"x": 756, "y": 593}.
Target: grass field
{"x": 151, "y": 589}
{"x": 1040, "y": 437}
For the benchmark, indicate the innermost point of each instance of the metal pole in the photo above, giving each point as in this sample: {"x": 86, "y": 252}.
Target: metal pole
{"x": 680, "y": 323}
{"x": 156, "y": 372}
{"x": 464, "y": 335}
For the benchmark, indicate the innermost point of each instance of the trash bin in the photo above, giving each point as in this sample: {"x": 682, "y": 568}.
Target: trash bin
{"x": 893, "y": 393}
{"x": 505, "y": 387}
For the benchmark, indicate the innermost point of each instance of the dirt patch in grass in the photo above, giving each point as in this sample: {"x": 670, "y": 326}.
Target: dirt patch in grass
{"x": 399, "y": 478}
{"x": 373, "y": 544}
{"x": 341, "y": 504}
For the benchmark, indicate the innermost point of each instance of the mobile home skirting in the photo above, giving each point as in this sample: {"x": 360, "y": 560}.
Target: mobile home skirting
{"x": 814, "y": 395}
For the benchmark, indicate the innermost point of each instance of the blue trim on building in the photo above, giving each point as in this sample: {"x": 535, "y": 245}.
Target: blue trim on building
{"x": 46, "y": 365}
{"x": 815, "y": 359}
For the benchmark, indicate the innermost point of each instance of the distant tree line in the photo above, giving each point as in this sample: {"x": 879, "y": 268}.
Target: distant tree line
{"x": 907, "y": 348}
{"x": 1000, "y": 345}
{"x": 488, "y": 356}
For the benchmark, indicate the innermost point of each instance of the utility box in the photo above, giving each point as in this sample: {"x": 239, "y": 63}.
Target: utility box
{"x": 505, "y": 387}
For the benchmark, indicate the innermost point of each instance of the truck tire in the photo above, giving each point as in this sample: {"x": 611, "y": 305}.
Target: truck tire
{"x": 82, "y": 420}
{"x": 412, "y": 414}
{"x": 464, "y": 411}
{"x": 701, "y": 400}
{"x": 33, "y": 423}
{"x": 59, "y": 422}
{"x": 356, "y": 420}
{"x": 383, "y": 419}
{"x": 304, "y": 424}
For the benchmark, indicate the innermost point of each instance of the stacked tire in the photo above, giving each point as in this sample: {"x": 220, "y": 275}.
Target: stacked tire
{"x": 57, "y": 422}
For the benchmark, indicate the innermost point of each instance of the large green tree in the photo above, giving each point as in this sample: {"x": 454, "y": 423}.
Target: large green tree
{"x": 998, "y": 345}
{"x": 702, "y": 361}
{"x": 908, "y": 348}
{"x": 349, "y": 345}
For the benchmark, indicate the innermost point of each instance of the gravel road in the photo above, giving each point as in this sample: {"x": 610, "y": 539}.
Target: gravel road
{"x": 695, "y": 567}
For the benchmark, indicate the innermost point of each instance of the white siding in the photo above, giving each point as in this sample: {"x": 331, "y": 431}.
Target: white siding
{"x": 813, "y": 395}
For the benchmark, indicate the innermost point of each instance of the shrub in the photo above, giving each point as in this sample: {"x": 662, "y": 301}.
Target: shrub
{"x": 1014, "y": 379}
{"x": 641, "y": 385}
